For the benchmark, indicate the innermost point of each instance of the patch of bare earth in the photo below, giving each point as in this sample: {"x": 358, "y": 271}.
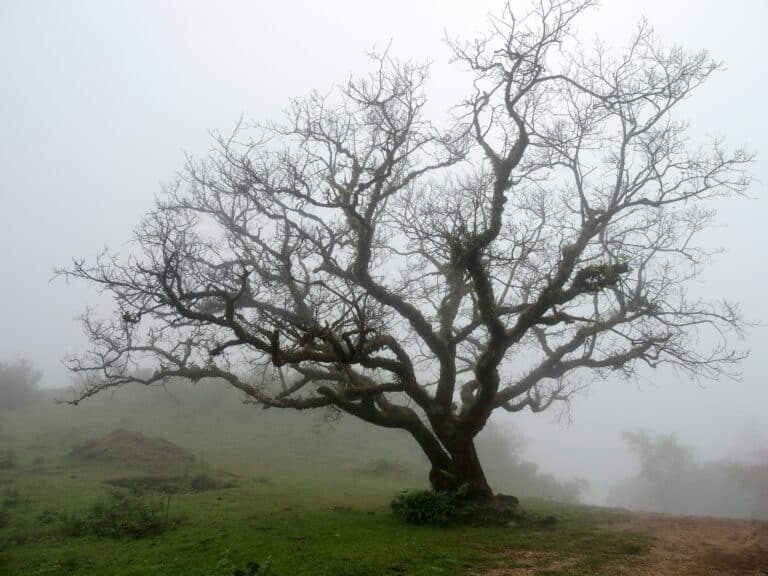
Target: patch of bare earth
{"x": 524, "y": 562}
{"x": 700, "y": 546}
{"x": 682, "y": 546}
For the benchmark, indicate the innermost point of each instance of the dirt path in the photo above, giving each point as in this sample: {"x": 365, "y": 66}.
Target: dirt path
{"x": 682, "y": 546}
{"x": 701, "y": 546}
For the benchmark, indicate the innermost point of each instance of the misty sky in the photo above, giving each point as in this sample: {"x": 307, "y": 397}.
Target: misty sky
{"x": 100, "y": 100}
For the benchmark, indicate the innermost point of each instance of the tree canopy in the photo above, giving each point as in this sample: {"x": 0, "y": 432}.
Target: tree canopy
{"x": 420, "y": 275}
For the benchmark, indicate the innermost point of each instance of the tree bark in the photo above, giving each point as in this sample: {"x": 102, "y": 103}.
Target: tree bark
{"x": 464, "y": 473}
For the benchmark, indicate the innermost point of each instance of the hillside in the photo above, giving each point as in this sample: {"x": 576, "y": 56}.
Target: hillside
{"x": 180, "y": 481}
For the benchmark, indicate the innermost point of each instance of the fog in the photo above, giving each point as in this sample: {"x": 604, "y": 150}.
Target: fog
{"x": 101, "y": 101}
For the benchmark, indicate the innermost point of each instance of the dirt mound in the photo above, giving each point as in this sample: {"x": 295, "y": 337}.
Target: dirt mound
{"x": 133, "y": 450}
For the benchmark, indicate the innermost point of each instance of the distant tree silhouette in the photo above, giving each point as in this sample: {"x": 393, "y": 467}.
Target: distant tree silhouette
{"x": 18, "y": 384}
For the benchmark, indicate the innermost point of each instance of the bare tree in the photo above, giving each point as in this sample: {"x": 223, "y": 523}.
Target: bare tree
{"x": 361, "y": 258}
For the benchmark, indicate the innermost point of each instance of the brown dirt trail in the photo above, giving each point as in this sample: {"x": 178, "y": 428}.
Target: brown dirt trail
{"x": 682, "y": 546}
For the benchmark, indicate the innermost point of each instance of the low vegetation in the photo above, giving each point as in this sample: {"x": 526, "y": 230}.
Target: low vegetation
{"x": 253, "y": 495}
{"x": 424, "y": 507}
{"x": 7, "y": 459}
{"x": 122, "y": 515}
{"x": 258, "y": 493}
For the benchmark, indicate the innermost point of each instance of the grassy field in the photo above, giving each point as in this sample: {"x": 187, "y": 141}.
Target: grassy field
{"x": 297, "y": 497}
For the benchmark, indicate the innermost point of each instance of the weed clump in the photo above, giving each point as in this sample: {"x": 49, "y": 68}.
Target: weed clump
{"x": 47, "y": 517}
{"x": 147, "y": 484}
{"x": 170, "y": 484}
{"x": 123, "y": 516}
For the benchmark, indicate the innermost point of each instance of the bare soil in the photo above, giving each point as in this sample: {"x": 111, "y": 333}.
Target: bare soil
{"x": 682, "y": 546}
{"x": 701, "y": 546}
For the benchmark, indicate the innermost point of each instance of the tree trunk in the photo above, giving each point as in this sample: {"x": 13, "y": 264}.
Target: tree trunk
{"x": 464, "y": 473}
{"x": 455, "y": 467}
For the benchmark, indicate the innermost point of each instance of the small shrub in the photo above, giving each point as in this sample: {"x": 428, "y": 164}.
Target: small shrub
{"x": 123, "y": 515}
{"x": 148, "y": 484}
{"x": 442, "y": 508}
{"x": 424, "y": 507}
{"x": 47, "y": 517}
{"x": 170, "y": 484}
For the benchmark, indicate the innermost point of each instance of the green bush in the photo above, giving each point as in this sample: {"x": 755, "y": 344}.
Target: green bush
{"x": 442, "y": 508}
{"x": 424, "y": 507}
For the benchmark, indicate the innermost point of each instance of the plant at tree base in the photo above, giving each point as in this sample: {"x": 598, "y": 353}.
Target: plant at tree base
{"x": 424, "y": 507}
{"x": 360, "y": 258}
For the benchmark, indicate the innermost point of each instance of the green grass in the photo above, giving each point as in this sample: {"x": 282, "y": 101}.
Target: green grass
{"x": 305, "y": 528}
{"x": 300, "y": 500}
